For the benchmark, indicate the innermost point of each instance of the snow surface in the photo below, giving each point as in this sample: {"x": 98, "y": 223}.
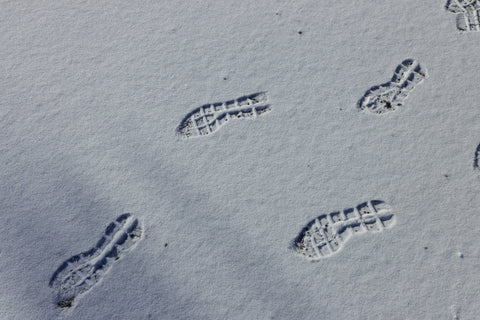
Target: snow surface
{"x": 91, "y": 94}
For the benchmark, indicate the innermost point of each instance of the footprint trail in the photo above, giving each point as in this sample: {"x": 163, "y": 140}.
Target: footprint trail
{"x": 81, "y": 272}
{"x": 328, "y": 233}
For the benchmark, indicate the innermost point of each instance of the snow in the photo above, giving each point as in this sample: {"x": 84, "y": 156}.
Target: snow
{"x": 91, "y": 95}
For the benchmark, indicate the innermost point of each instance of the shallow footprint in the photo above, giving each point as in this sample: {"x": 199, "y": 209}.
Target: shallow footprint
{"x": 389, "y": 96}
{"x": 468, "y": 14}
{"x": 328, "y": 233}
{"x": 81, "y": 272}
{"x": 209, "y": 118}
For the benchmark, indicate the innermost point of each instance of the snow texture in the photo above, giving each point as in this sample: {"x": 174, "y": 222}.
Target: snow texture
{"x": 91, "y": 98}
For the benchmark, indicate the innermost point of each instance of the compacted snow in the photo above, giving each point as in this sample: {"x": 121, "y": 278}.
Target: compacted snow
{"x": 239, "y": 160}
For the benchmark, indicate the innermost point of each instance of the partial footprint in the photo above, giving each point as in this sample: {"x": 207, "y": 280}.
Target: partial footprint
{"x": 81, "y": 272}
{"x": 389, "y": 96}
{"x": 476, "y": 159}
{"x": 210, "y": 117}
{"x": 327, "y": 234}
{"x": 467, "y": 14}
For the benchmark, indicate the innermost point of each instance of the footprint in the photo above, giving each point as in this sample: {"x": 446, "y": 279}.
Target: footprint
{"x": 476, "y": 159}
{"x": 328, "y": 233}
{"x": 210, "y": 117}
{"x": 81, "y": 272}
{"x": 467, "y": 13}
{"x": 389, "y": 96}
